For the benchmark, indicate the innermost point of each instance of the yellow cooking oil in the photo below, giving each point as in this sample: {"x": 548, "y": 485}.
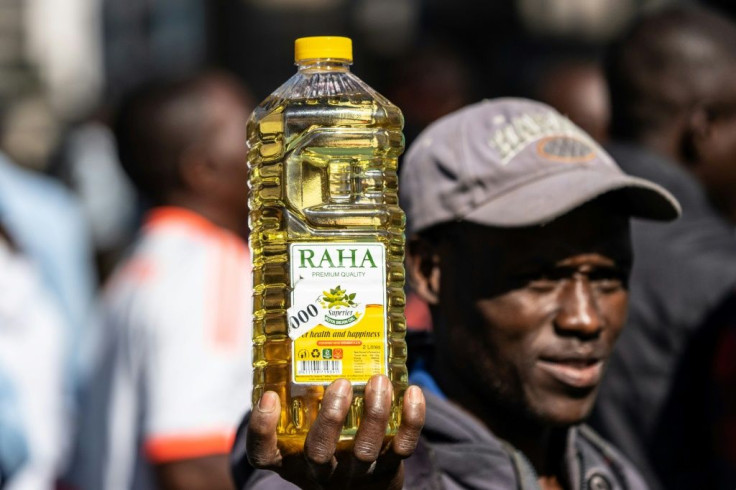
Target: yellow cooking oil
{"x": 327, "y": 237}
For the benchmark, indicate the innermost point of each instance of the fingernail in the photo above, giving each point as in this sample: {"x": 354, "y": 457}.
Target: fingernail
{"x": 267, "y": 403}
{"x": 342, "y": 387}
{"x": 379, "y": 383}
{"x": 413, "y": 395}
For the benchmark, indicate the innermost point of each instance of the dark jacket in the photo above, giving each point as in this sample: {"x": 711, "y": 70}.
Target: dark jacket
{"x": 458, "y": 452}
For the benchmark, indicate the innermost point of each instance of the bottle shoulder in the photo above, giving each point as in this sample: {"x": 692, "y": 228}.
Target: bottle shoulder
{"x": 331, "y": 97}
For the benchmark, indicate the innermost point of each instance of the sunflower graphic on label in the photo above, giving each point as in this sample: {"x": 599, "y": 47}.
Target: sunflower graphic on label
{"x": 340, "y": 308}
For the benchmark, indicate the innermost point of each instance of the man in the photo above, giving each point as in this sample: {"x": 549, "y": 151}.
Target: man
{"x": 576, "y": 87}
{"x": 672, "y": 94}
{"x": 672, "y": 87}
{"x": 521, "y": 248}
{"x": 33, "y": 418}
{"x": 47, "y": 224}
{"x": 174, "y": 376}
{"x": 48, "y": 233}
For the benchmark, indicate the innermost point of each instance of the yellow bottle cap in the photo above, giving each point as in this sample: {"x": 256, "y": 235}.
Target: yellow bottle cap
{"x": 335, "y": 47}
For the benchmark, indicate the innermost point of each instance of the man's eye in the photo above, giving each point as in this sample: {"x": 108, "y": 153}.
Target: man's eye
{"x": 607, "y": 281}
{"x": 542, "y": 284}
{"x": 545, "y": 280}
{"x": 609, "y": 285}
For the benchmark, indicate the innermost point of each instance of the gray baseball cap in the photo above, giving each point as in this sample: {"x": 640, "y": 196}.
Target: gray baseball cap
{"x": 515, "y": 162}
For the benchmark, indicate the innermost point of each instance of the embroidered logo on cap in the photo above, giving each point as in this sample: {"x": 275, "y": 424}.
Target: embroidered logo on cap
{"x": 510, "y": 138}
{"x": 565, "y": 149}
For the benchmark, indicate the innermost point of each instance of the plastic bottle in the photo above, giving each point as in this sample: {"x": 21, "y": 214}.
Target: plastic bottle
{"x": 327, "y": 237}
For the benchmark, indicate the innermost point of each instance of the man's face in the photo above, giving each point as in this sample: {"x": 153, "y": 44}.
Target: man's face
{"x": 579, "y": 91}
{"x": 528, "y": 317}
{"x": 716, "y": 146}
{"x": 228, "y": 111}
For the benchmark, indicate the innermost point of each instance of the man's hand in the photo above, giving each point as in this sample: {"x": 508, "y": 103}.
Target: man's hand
{"x": 321, "y": 465}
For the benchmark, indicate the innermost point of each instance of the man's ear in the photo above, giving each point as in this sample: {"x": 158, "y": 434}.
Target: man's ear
{"x": 196, "y": 170}
{"x": 696, "y": 134}
{"x": 423, "y": 268}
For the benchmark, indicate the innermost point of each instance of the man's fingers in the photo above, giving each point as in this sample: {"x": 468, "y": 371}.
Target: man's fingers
{"x": 376, "y": 412}
{"x": 412, "y": 421}
{"x": 321, "y": 442}
{"x": 389, "y": 464}
{"x": 261, "y": 438}
{"x": 322, "y": 439}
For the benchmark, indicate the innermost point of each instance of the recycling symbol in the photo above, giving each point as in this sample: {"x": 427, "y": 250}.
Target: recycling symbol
{"x": 315, "y": 353}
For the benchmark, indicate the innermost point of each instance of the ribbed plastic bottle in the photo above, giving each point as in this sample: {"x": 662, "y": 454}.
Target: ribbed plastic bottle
{"x": 327, "y": 236}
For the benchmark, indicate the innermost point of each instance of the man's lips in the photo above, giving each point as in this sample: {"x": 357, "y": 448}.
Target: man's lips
{"x": 575, "y": 371}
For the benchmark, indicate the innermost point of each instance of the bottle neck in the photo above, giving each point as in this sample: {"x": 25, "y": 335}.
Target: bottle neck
{"x": 323, "y": 65}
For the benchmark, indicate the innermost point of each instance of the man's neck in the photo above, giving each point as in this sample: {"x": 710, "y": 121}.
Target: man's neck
{"x": 212, "y": 213}
{"x": 543, "y": 446}
{"x": 666, "y": 143}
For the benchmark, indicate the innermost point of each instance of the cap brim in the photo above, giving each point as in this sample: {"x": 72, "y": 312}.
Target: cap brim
{"x": 551, "y": 196}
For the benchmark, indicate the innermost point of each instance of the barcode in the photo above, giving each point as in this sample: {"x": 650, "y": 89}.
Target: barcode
{"x": 318, "y": 367}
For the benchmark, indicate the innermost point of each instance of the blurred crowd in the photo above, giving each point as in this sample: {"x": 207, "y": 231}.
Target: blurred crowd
{"x": 125, "y": 295}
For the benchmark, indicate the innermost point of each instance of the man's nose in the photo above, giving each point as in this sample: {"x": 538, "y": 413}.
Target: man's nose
{"x": 578, "y": 312}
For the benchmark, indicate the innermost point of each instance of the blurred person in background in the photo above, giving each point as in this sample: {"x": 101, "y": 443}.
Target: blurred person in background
{"x": 49, "y": 230}
{"x": 87, "y": 162}
{"x": 430, "y": 83}
{"x": 33, "y": 415}
{"x": 174, "y": 374}
{"x": 577, "y": 88}
{"x": 47, "y": 223}
{"x": 663, "y": 401}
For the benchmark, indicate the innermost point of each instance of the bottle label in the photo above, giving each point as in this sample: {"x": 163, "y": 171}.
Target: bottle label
{"x": 337, "y": 320}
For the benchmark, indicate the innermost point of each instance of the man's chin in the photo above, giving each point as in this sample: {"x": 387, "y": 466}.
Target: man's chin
{"x": 566, "y": 411}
